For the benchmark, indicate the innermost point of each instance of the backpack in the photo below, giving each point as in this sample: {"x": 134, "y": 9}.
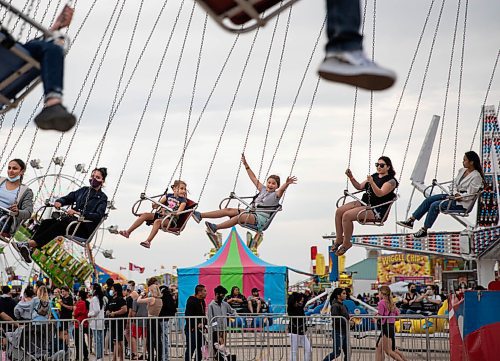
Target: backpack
{"x": 43, "y": 308}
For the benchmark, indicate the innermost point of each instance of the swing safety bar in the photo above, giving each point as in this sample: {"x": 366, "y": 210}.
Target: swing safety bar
{"x": 7, "y": 215}
{"x": 46, "y": 32}
{"x": 251, "y": 209}
{"x": 241, "y": 16}
{"x": 363, "y": 220}
{"x": 430, "y": 189}
{"x": 445, "y": 205}
{"x": 173, "y": 226}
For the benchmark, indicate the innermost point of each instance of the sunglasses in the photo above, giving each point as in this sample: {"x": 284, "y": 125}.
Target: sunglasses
{"x": 380, "y": 165}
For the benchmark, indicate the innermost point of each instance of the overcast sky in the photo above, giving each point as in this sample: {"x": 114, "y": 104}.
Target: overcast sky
{"x": 323, "y": 157}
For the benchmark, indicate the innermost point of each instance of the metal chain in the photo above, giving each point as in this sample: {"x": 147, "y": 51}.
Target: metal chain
{"x": 228, "y": 116}
{"x": 443, "y": 117}
{"x": 193, "y": 93}
{"x": 42, "y": 183}
{"x": 422, "y": 86}
{"x": 172, "y": 87}
{"x": 485, "y": 99}
{"x": 100, "y": 146}
{"x": 276, "y": 84}
{"x": 370, "y": 125}
{"x": 407, "y": 77}
{"x": 216, "y": 83}
{"x": 297, "y": 94}
{"x": 146, "y": 105}
{"x": 459, "y": 91}
{"x": 28, "y": 12}
{"x": 259, "y": 89}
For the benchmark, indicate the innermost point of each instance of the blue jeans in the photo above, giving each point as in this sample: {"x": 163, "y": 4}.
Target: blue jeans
{"x": 51, "y": 59}
{"x": 98, "y": 340}
{"x": 342, "y": 26}
{"x": 339, "y": 344}
{"x": 165, "y": 328}
{"x": 431, "y": 206}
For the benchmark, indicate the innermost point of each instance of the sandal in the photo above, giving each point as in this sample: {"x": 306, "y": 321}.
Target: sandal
{"x": 146, "y": 244}
{"x": 342, "y": 250}
{"x": 336, "y": 246}
{"x": 124, "y": 234}
{"x": 134, "y": 357}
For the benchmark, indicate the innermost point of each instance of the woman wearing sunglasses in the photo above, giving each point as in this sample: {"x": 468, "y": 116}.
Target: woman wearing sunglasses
{"x": 379, "y": 188}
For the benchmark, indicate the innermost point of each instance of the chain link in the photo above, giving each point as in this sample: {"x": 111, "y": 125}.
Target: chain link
{"x": 264, "y": 71}
{"x": 228, "y": 116}
{"x": 172, "y": 87}
{"x": 296, "y": 95}
{"x": 193, "y": 93}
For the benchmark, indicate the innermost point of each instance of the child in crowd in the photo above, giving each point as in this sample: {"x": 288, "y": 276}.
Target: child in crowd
{"x": 175, "y": 202}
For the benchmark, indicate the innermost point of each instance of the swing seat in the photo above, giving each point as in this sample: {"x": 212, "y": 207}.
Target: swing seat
{"x": 272, "y": 211}
{"x": 239, "y": 16}
{"x": 6, "y": 220}
{"x": 19, "y": 72}
{"x": 445, "y": 208}
{"x": 168, "y": 225}
{"x": 362, "y": 216}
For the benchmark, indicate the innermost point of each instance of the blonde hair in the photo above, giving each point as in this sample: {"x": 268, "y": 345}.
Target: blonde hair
{"x": 386, "y": 291}
{"x": 155, "y": 291}
{"x": 42, "y": 294}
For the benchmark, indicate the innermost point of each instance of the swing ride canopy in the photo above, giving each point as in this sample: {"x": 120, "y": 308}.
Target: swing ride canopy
{"x": 235, "y": 265}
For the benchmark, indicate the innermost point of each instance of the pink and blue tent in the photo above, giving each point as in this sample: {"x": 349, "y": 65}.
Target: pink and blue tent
{"x": 235, "y": 265}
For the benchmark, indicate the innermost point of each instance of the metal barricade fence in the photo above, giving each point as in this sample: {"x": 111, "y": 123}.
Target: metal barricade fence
{"x": 263, "y": 337}
{"x": 49, "y": 340}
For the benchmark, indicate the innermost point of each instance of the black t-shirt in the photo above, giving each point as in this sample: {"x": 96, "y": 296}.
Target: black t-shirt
{"x": 130, "y": 302}
{"x": 66, "y": 314}
{"x": 7, "y": 305}
{"x": 115, "y": 304}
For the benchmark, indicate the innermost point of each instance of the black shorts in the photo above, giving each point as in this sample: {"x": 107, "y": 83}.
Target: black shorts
{"x": 389, "y": 332}
{"x": 116, "y": 330}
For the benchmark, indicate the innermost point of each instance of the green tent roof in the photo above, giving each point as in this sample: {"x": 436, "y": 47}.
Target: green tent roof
{"x": 364, "y": 270}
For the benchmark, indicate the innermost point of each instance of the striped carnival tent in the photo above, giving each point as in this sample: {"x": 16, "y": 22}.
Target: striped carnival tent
{"x": 235, "y": 265}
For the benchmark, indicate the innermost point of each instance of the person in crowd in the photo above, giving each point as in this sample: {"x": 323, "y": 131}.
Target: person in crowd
{"x": 129, "y": 299}
{"x": 468, "y": 182}
{"x": 345, "y": 61}
{"x": 175, "y": 201}
{"x": 297, "y": 326}
{"x": 431, "y": 301}
{"x": 24, "y": 308}
{"x": 196, "y": 320}
{"x": 132, "y": 290}
{"x": 168, "y": 310}
{"x": 410, "y": 304}
{"x": 89, "y": 202}
{"x": 218, "y": 310}
{"x": 14, "y": 197}
{"x": 138, "y": 327}
{"x": 255, "y": 303}
{"x": 379, "y": 189}
{"x": 49, "y": 52}
{"x": 269, "y": 196}
{"x": 81, "y": 312}
{"x": 41, "y": 305}
{"x": 66, "y": 314}
{"x": 386, "y": 342}
{"x": 96, "y": 314}
{"x": 7, "y": 303}
{"x": 308, "y": 294}
{"x": 116, "y": 310}
{"x": 340, "y": 325}
{"x": 153, "y": 301}
{"x": 240, "y": 304}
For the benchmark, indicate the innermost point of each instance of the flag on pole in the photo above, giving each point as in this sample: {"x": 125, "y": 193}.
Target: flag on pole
{"x": 133, "y": 267}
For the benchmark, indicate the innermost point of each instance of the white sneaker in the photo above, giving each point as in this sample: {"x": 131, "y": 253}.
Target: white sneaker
{"x": 354, "y": 68}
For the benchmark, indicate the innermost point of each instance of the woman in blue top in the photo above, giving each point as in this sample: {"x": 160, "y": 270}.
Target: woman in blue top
{"x": 269, "y": 196}
{"x": 89, "y": 202}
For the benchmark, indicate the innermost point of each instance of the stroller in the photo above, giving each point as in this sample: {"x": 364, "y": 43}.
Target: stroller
{"x": 22, "y": 347}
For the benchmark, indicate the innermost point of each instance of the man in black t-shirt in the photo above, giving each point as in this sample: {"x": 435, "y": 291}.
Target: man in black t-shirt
{"x": 67, "y": 304}
{"x": 195, "y": 306}
{"x": 7, "y": 303}
{"x": 116, "y": 310}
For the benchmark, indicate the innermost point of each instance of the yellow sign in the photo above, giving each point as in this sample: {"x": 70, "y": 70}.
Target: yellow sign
{"x": 402, "y": 264}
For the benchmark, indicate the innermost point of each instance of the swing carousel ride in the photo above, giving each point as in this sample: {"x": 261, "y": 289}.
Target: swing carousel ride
{"x": 170, "y": 85}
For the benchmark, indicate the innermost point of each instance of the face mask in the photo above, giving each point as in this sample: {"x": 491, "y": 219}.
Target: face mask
{"x": 220, "y": 298}
{"x": 15, "y": 179}
{"x": 150, "y": 294}
{"x": 94, "y": 183}
{"x": 413, "y": 290}
{"x": 111, "y": 293}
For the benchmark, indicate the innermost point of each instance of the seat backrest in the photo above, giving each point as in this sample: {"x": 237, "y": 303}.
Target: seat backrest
{"x": 273, "y": 214}
{"x": 235, "y": 12}
{"x": 15, "y": 72}
{"x": 183, "y": 218}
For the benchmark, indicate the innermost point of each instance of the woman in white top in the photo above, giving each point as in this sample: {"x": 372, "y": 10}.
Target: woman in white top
{"x": 96, "y": 324}
{"x": 469, "y": 181}
{"x": 14, "y": 197}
